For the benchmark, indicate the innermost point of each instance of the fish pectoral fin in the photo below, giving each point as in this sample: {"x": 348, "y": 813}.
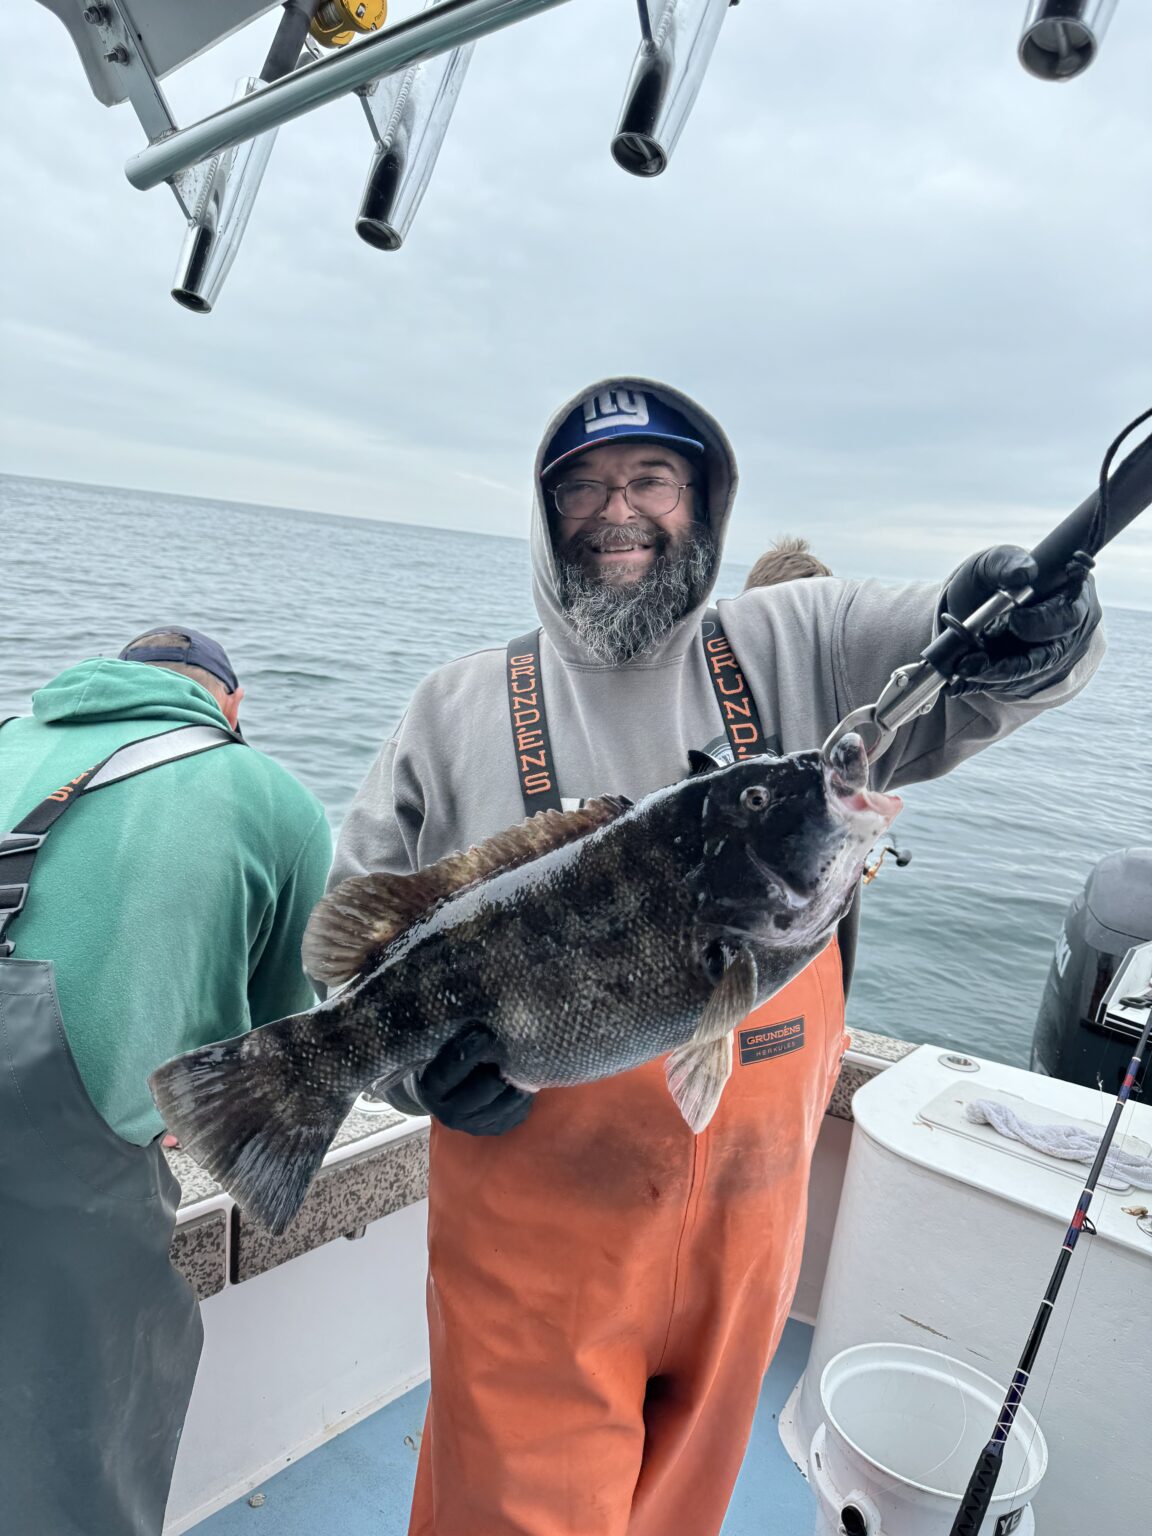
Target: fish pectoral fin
{"x": 732, "y": 1000}
{"x": 361, "y": 915}
{"x": 696, "y": 1077}
{"x": 701, "y": 762}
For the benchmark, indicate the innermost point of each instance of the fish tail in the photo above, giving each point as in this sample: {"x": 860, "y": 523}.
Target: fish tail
{"x": 251, "y": 1112}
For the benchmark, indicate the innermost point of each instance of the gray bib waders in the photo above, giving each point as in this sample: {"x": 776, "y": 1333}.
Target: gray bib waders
{"x": 99, "y": 1336}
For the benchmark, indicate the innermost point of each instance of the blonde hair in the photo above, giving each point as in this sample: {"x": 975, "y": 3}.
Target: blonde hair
{"x": 789, "y": 559}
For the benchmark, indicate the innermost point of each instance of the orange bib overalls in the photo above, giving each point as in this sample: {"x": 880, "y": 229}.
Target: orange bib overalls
{"x": 606, "y": 1290}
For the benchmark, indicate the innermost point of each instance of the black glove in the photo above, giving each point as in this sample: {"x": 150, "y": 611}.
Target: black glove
{"x": 1028, "y": 648}
{"x": 463, "y": 1089}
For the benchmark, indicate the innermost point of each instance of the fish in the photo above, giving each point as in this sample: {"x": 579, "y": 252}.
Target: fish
{"x": 588, "y": 942}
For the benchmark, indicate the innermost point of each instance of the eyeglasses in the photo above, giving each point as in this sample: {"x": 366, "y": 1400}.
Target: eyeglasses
{"x": 649, "y": 495}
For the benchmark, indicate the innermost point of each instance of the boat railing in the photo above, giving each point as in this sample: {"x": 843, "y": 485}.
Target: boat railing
{"x": 378, "y": 1165}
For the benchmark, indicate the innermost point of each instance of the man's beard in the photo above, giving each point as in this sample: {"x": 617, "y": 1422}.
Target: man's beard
{"x": 623, "y": 621}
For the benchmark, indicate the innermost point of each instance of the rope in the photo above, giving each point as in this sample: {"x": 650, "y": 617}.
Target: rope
{"x": 1122, "y": 1170}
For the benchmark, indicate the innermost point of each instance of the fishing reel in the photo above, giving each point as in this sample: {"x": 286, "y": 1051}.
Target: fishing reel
{"x": 899, "y": 858}
{"x": 339, "y": 22}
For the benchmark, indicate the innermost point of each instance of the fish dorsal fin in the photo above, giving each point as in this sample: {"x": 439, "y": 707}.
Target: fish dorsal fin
{"x": 362, "y": 915}
{"x": 701, "y": 762}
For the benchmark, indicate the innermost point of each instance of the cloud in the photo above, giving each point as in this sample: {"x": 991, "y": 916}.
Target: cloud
{"x": 911, "y": 280}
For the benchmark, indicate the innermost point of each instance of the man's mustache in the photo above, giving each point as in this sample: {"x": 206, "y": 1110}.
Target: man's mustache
{"x": 611, "y": 536}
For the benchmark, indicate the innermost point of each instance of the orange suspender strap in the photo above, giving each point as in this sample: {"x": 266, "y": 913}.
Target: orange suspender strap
{"x": 737, "y": 706}
{"x": 531, "y": 743}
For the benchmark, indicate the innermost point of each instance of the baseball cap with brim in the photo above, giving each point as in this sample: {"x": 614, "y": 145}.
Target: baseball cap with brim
{"x": 620, "y": 414}
{"x": 196, "y": 650}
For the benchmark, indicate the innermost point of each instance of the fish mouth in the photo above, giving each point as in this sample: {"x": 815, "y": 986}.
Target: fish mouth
{"x": 871, "y": 801}
{"x": 846, "y": 779}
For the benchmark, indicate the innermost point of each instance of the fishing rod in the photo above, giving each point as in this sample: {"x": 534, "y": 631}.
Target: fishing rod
{"x": 912, "y": 690}
{"x": 1117, "y": 1010}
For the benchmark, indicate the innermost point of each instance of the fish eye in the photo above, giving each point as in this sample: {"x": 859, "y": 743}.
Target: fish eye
{"x": 755, "y": 797}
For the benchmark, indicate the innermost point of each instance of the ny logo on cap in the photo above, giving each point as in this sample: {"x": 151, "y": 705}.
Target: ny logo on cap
{"x": 615, "y": 408}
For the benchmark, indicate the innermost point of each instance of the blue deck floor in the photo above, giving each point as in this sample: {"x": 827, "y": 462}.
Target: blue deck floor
{"x": 359, "y": 1484}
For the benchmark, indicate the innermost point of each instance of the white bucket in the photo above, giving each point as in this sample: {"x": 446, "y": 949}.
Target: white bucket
{"x": 903, "y": 1429}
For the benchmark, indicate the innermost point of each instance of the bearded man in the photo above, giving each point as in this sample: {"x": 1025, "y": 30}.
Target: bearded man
{"x": 606, "y": 1289}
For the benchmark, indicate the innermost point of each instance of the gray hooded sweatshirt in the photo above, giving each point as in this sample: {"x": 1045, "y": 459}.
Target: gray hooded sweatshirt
{"x": 810, "y": 650}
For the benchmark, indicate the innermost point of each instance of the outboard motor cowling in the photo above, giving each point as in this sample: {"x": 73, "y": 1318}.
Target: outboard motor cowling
{"x": 1109, "y": 916}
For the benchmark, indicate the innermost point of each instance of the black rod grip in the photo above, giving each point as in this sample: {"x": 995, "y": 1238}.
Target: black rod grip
{"x": 289, "y": 39}
{"x": 978, "y": 1494}
{"x": 1129, "y": 492}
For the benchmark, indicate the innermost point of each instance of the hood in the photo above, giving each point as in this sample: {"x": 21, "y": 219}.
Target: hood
{"x": 720, "y": 492}
{"x": 103, "y": 690}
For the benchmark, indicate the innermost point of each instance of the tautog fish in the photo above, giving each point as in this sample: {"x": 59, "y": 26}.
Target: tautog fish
{"x": 587, "y": 941}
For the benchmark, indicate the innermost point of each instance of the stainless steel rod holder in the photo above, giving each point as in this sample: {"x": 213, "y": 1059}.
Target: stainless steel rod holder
{"x": 1060, "y": 38}
{"x": 666, "y": 79}
{"x": 409, "y": 115}
{"x": 218, "y": 221}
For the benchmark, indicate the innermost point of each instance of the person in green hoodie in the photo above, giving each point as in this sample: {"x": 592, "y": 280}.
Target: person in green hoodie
{"x": 164, "y": 911}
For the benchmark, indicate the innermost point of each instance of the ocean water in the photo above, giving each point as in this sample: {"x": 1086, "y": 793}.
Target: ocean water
{"x": 332, "y": 622}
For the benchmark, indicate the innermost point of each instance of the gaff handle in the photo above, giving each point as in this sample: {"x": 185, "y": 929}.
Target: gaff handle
{"x": 1129, "y": 493}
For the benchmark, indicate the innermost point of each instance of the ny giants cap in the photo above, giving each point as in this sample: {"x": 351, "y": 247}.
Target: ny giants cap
{"x": 196, "y": 650}
{"x": 614, "y": 415}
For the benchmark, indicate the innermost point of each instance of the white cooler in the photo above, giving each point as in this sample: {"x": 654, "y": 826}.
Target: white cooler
{"x": 946, "y": 1237}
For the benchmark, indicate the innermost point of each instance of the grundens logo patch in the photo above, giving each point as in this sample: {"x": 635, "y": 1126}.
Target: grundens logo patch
{"x": 768, "y": 1040}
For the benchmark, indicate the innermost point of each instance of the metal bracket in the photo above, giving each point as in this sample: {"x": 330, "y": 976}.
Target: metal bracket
{"x": 124, "y": 51}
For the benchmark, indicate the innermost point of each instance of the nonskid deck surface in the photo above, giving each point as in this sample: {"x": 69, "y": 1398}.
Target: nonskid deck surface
{"x": 360, "y": 1483}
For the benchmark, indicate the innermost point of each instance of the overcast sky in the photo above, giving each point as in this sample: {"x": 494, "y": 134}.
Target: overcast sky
{"x": 913, "y": 282}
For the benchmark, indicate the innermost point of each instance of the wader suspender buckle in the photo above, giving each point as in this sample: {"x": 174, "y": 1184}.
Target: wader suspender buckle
{"x": 13, "y": 897}
{"x": 25, "y": 841}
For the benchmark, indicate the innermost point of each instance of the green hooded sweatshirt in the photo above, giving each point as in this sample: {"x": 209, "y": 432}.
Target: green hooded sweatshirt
{"x": 172, "y": 904}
